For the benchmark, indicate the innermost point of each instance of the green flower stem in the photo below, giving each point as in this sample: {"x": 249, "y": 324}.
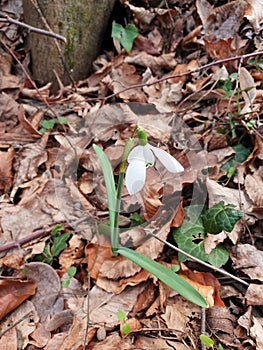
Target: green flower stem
{"x": 115, "y": 231}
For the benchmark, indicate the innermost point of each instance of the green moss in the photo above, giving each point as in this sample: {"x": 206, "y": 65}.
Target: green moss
{"x": 70, "y": 46}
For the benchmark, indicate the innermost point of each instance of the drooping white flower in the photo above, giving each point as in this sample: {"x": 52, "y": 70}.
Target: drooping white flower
{"x": 140, "y": 158}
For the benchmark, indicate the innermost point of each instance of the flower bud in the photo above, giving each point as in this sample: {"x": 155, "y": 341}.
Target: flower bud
{"x": 142, "y": 137}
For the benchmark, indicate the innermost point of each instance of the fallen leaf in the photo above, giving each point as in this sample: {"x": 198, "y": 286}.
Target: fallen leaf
{"x": 254, "y": 187}
{"x": 254, "y": 294}
{"x": 48, "y": 299}
{"x": 249, "y": 260}
{"x": 6, "y": 164}
{"x": 13, "y": 292}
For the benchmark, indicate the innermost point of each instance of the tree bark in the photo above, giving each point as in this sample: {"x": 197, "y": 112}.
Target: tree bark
{"x": 82, "y": 22}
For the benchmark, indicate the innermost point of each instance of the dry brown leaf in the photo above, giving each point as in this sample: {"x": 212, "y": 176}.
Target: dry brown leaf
{"x": 165, "y": 61}
{"x": 219, "y": 193}
{"x": 144, "y": 342}
{"x": 212, "y": 241}
{"x": 135, "y": 325}
{"x": 28, "y": 160}
{"x": 226, "y": 329}
{"x": 13, "y": 292}
{"x": 29, "y": 127}
{"x": 249, "y": 259}
{"x": 72, "y": 254}
{"x": 22, "y": 321}
{"x": 248, "y": 89}
{"x": 122, "y": 77}
{"x": 205, "y": 283}
{"x": 48, "y": 299}
{"x": 178, "y": 216}
{"x": 6, "y": 163}
{"x": 96, "y": 254}
{"x": 254, "y": 294}
{"x": 254, "y": 187}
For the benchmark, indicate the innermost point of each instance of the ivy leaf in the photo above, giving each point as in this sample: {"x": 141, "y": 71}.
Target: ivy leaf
{"x": 126, "y": 36}
{"x": 221, "y": 217}
{"x": 190, "y": 238}
{"x": 241, "y": 153}
{"x": 191, "y": 234}
{"x": 218, "y": 256}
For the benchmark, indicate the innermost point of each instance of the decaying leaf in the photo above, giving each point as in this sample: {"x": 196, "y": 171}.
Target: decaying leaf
{"x": 254, "y": 187}
{"x": 13, "y": 292}
{"x": 249, "y": 260}
{"x": 6, "y": 163}
{"x": 48, "y": 300}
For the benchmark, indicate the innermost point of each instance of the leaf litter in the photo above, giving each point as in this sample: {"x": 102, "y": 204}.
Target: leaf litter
{"x": 210, "y": 119}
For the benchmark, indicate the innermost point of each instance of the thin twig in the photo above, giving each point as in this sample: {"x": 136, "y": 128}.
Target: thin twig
{"x": 38, "y": 234}
{"x": 179, "y": 75}
{"x": 197, "y": 260}
{"x": 5, "y": 18}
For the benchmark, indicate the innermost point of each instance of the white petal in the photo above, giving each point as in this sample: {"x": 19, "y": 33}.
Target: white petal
{"x": 136, "y": 154}
{"x": 170, "y": 163}
{"x": 148, "y": 154}
{"x": 135, "y": 176}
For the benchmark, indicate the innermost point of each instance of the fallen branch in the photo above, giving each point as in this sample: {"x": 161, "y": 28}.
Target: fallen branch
{"x": 5, "y": 18}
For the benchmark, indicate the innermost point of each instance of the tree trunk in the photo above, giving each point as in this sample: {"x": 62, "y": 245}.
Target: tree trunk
{"x": 82, "y": 22}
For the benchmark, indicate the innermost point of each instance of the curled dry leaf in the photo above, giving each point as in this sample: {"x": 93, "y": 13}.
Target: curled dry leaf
{"x": 226, "y": 329}
{"x": 248, "y": 89}
{"x": 254, "y": 294}
{"x": 13, "y": 292}
{"x": 254, "y": 187}
{"x": 48, "y": 299}
{"x": 6, "y": 162}
{"x": 18, "y": 326}
{"x": 249, "y": 259}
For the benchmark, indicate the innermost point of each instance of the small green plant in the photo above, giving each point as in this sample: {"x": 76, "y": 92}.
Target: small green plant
{"x": 241, "y": 154}
{"x": 125, "y": 36}
{"x": 139, "y": 158}
{"x": 207, "y": 341}
{"x": 54, "y": 246}
{"x": 71, "y": 273}
{"x": 125, "y": 327}
{"x": 256, "y": 62}
{"x": 51, "y": 123}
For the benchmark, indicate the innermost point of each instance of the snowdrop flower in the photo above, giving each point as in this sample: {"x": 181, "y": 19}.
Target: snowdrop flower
{"x": 140, "y": 158}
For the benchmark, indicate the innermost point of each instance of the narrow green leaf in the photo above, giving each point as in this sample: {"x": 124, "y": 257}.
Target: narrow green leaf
{"x": 165, "y": 275}
{"x": 59, "y": 244}
{"x": 110, "y": 187}
{"x": 206, "y": 340}
{"x": 57, "y": 228}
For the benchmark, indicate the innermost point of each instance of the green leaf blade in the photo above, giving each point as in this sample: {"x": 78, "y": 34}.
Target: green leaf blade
{"x": 110, "y": 188}
{"x": 165, "y": 275}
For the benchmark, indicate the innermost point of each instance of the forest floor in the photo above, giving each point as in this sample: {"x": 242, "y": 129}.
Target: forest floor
{"x": 186, "y": 83}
